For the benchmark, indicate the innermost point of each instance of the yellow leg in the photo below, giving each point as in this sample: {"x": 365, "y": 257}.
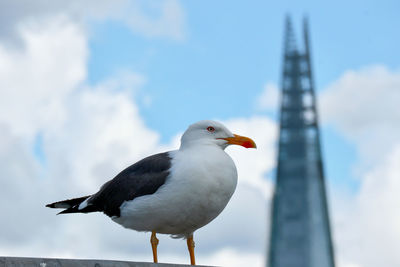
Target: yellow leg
{"x": 190, "y": 245}
{"x": 154, "y": 244}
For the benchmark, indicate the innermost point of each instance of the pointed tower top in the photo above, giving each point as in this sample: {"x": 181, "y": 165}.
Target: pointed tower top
{"x": 290, "y": 41}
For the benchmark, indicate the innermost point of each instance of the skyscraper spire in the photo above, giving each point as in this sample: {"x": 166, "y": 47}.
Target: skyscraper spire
{"x": 300, "y": 229}
{"x": 290, "y": 41}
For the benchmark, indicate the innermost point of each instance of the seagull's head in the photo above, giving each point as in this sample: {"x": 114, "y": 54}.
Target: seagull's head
{"x": 209, "y": 132}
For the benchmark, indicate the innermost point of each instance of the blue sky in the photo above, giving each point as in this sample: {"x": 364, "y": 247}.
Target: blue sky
{"x": 87, "y": 88}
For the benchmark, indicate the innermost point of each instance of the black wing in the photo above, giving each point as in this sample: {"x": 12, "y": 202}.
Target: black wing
{"x": 142, "y": 178}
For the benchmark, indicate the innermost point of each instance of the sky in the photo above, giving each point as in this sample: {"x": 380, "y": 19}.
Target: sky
{"x": 89, "y": 87}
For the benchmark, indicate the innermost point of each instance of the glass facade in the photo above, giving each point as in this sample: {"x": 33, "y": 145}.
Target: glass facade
{"x": 300, "y": 231}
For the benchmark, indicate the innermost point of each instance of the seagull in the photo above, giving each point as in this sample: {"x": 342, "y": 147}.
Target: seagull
{"x": 175, "y": 192}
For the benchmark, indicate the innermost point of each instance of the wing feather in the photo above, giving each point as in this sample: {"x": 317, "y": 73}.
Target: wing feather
{"x": 141, "y": 178}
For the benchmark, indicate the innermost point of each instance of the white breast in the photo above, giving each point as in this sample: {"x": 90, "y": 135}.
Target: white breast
{"x": 200, "y": 184}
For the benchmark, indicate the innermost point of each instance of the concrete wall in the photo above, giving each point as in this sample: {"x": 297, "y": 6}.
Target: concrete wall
{"x": 46, "y": 262}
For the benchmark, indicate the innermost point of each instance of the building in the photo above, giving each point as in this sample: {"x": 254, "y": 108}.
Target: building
{"x": 300, "y": 231}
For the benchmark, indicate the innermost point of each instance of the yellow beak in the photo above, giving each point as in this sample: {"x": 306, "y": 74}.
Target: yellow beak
{"x": 241, "y": 141}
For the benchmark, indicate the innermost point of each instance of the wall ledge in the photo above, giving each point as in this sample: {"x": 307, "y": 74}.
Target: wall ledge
{"x": 55, "y": 262}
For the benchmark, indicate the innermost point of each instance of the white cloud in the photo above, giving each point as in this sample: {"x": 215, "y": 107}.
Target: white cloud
{"x": 19, "y": 172}
{"x": 269, "y": 98}
{"x": 163, "y": 19}
{"x": 367, "y": 225}
{"x": 363, "y": 106}
{"x": 35, "y": 80}
{"x": 169, "y": 22}
{"x": 234, "y": 258}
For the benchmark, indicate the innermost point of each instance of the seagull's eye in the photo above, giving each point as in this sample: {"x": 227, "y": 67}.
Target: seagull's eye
{"x": 210, "y": 129}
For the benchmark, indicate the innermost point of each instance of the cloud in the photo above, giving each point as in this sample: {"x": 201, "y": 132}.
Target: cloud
{"x": 19, "y": 172}
{"x": 234, "y": 258}
{"x": 169, "y": 22}
{"x": 164, "y": 19}
{"x": 269, "y": 98}
{"x": 367, "y": 225}
{"x": 363, "y": 106}
{"x": 34, "y": 81}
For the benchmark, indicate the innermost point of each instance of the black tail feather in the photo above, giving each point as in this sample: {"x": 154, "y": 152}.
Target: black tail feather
{"x": 72, "y": 206}
{"x": 66, "y": 204}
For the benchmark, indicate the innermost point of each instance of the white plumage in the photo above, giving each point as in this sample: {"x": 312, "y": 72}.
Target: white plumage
{"x": 202, "y": 180}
